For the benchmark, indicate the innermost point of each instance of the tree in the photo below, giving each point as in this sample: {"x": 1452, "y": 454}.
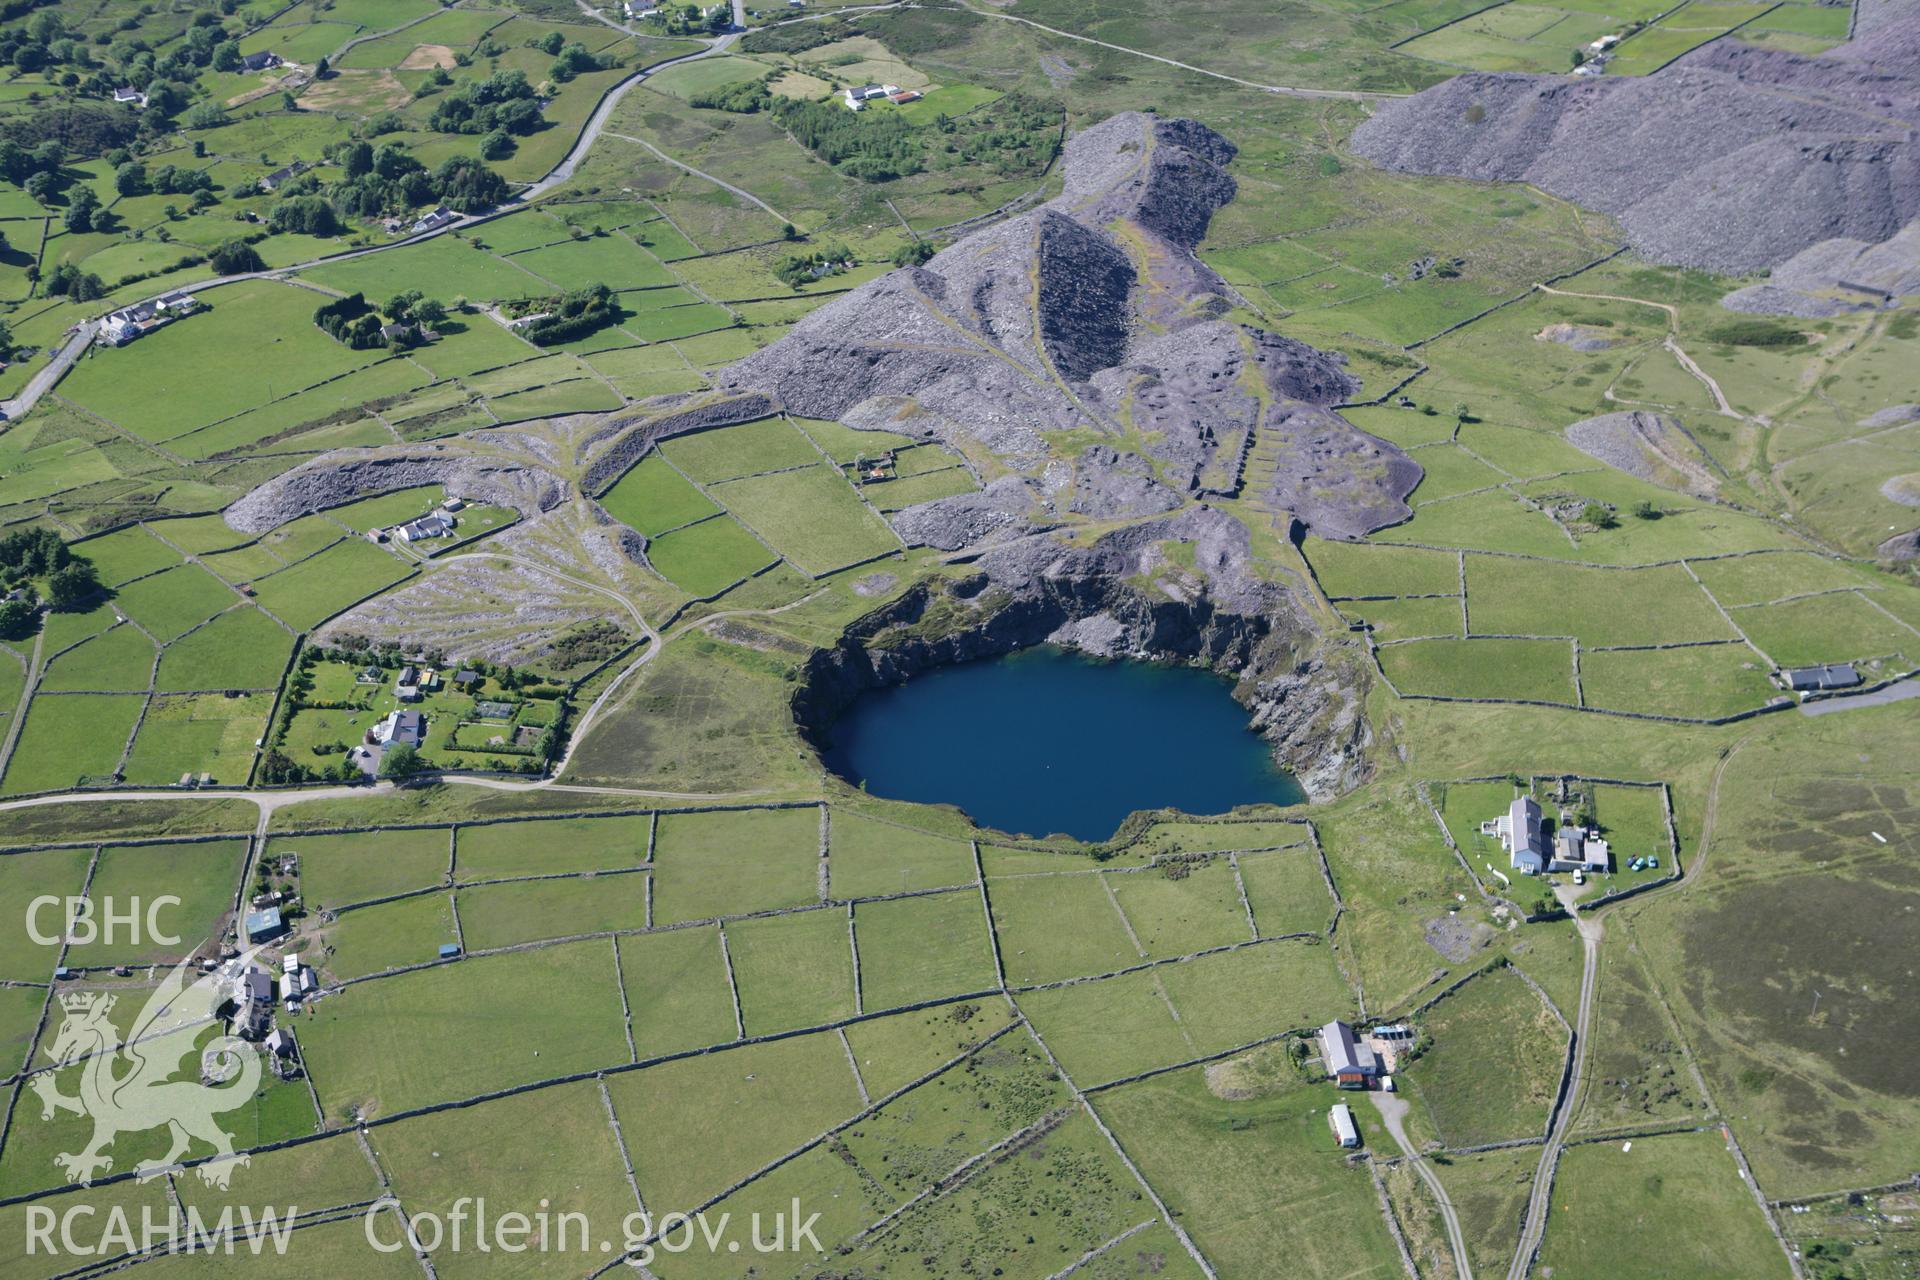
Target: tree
{"x": 237, "y": 257}
{"x": 322, "y": 69}
{"x": 16, "y": 619}
{"x": 73, "y": 586}
{"x": 357, "y": 159}
{"x": 81, "y": 209}
{"x": 40, "y": 185}
{"x": 429, "y": 312}
{"x": 497, "y": 145}
{"x": 400, "y": 760}
{"x": 1600, "y": 516}
{"x": 130, "y": 179}
{"x": 226, "y": 56}
{"x": 1645, "y": 510}
{"x": 6, "y": 338}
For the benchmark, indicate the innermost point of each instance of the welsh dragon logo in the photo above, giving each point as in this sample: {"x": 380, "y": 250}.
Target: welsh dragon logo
{"x": 127, "y": 1084}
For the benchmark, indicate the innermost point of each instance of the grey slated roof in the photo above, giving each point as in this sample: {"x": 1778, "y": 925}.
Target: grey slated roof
{"x": 1340, "y": 1053}
{"x": 1524, "y": 819}
{"x": 1837, "y": 675}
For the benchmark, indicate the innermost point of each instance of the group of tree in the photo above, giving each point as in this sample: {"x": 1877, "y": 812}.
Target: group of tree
{"x": 1016, "y": 133}
{"x": 309, "y": 215}
{"x": 503, "y": 101}
{"x": 236, "y": 257}
{"x": 574, "y": 314}
{"x": 95, "y": 64}
{"x": 382, "y": 180}
{"x": 352, "y": 320}
{"x": 875, "y": 146}
{"x": 413, "y": 307}
{"x": 68, "y": 281}
{"x": 131, "y": 177}
{"x": 26, "y": 167}
{"x": 569, "y": 60}
{"x": 797, "y": 269}
{"x": 33, "y": 563}
{"x": 691, "y": 19}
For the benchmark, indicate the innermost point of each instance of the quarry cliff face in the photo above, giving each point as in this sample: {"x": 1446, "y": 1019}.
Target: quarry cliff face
{"x": 1733, "y": 159}
{"x": 1303, "y": 696}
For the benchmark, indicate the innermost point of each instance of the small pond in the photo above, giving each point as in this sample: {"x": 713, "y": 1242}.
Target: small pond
{"x": 1045, "y": 740}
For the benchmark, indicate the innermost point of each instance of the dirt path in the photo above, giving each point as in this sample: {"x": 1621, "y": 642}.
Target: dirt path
{"x": 724, "y": 185}
{"x": 1671, "y": 343}
{"x": 1393, "y": 1110}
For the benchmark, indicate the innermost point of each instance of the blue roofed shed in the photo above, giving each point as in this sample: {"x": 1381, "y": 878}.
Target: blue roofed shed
{"x": 265, "y": 924}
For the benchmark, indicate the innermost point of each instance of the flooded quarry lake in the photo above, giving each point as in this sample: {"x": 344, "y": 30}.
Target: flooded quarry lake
{"x": 1045, "y": 740}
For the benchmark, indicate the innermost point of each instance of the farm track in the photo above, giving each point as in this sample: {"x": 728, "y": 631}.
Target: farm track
{"x": 1393, "y": 1111}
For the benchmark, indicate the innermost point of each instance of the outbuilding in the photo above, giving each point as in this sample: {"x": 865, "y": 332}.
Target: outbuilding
{"x": 1346, "y": 1061}
{"x": 265, "y": 924}
{"x": 1344, "y": 1130}
{"x": 1838, "y": 675}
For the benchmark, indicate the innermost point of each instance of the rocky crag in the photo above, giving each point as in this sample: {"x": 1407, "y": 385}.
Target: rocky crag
{"x": 1734, "y": 158}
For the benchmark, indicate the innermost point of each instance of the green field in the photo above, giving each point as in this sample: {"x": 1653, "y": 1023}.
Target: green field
{"x": 1519, "y": 670}
{"x": 811, "y": 516}
{"x": 654, "y": 498}
{"x": 378, "y": 1046}
{"x": 727, "y": 863}
{"x": 1642, "y": 1212}
{"x": 705, "y": 558}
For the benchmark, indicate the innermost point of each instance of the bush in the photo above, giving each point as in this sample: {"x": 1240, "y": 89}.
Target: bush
{"x": 742, "y": 99}
{"x": 1599, "y": 515}
{"x": 913, "y": 253}
{"x": 573, "y": 315}
{"x": 1755, "y": 333}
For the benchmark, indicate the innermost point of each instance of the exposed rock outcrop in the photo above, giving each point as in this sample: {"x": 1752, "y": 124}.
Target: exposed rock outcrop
{"x": 335, "y": 479}
{"x": 1733, "y": 159}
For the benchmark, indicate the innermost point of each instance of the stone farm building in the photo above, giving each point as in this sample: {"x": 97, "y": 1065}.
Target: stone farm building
{"x": 1522, "y": 833}
{"x": 123, "y": 326}
{"x": 1347, "y": 1062}
{"x": 1839, "y": 675}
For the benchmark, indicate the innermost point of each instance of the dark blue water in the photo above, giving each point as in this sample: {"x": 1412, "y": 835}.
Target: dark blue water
{"x": 1046, "y": 741}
